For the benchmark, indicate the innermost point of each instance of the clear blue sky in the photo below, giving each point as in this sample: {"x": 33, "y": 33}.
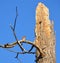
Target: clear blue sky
{"x": 25, "y": 25}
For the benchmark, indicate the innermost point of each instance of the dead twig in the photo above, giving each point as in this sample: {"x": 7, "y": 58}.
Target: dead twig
{"x": 24, "y": 52}
{"x": 21, "y": 41}
{"x": 15, "y": 18}
{"x": 13, "y": 29}
{"x": 19, "y": 44}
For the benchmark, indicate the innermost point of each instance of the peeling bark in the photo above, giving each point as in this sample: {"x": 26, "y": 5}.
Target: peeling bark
{"x": 45, "y": 36}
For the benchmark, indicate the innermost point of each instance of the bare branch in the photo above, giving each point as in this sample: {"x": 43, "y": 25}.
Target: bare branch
{"x": 17, "y": 55}
{"x": 13, "y": 29}
{"x": 31, "y": 48}
{"x": 17, "y": 39}
{"x": 14, "y": 32}
{"x": 15, "y": 18}
{"x": 24, "y": 52}
{"x": 21, "y": 41}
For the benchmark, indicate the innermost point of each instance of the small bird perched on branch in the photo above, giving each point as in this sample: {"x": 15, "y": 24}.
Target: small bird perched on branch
{"x": 23, "y": 38}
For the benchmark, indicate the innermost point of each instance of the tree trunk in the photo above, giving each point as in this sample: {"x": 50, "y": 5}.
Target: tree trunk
{"x": 45, "y": 36}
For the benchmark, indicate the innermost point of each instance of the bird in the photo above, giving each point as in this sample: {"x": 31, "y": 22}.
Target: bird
{"x": 23, "y": 38}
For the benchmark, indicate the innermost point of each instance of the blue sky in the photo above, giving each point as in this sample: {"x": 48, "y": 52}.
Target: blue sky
{"x": 25, "y": 25}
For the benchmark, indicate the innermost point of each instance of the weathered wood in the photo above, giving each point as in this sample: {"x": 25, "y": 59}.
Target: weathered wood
{"x": 45, "y": 36}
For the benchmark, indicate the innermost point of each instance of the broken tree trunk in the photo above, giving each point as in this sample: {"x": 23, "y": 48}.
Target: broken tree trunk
{"x": 45, "y": 36}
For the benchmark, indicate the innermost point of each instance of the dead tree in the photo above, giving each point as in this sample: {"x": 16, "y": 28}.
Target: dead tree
{"x": 44, "y": 34}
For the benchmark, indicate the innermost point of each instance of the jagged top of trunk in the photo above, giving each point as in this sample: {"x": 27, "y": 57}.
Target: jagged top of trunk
{"x": 42, "y": 15}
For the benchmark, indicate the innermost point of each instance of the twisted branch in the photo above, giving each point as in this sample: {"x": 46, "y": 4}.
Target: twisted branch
{"x": 19, "y": 42}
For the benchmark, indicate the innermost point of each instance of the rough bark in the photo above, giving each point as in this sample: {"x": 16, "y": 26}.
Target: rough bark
{"x": 45, "y": 36}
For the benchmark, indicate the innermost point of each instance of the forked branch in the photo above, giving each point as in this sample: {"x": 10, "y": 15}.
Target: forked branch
{"x": 19, "y": 42}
